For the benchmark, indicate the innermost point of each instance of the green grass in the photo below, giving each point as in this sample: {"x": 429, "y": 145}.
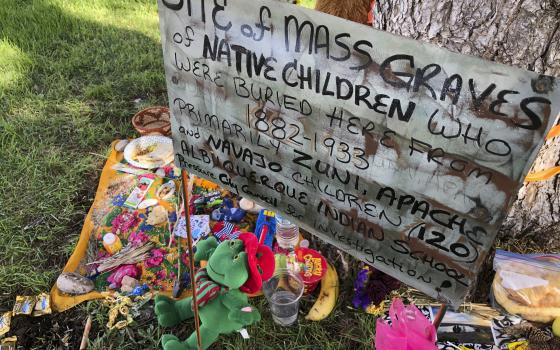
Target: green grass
{"x": 72, "y": 73}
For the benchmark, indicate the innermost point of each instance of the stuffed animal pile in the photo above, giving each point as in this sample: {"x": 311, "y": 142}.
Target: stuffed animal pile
{"x": 234, "y": 268}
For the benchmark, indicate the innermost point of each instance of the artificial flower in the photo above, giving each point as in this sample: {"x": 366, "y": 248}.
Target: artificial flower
{"x": 361, "y": 299}
{"x": 376, "y": 310}
{"x": 379, "y": 285}
{"x": 371, "y": 287}
{"x": 409, "y": 329}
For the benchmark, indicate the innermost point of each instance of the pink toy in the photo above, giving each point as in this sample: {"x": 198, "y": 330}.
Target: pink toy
{"x": 125, "y": 270}
{"x": 410, "y": 330}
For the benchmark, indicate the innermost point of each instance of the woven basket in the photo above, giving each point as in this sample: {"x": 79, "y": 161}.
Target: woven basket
{"x": 152, "y": 121}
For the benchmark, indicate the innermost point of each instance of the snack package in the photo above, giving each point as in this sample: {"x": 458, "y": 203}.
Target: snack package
{"x": 24, "y": 305}
{"x": 139, "y": 192}
{"x": 313, "y": 268}
{"x": 43, "y": 305}
{"x": 5, "y": 321}
{"x": 528, "y": 285}
{"x": 8, "y": 343}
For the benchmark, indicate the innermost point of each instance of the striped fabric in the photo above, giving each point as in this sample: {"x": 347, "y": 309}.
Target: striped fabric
{"x": 227, "y": 232}
{"x": 206, "y": 289}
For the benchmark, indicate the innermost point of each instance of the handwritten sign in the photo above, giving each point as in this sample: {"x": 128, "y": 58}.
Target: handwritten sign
{"x": 403, "y": 154}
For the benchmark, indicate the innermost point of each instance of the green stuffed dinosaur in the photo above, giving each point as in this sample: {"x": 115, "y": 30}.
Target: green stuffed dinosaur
{"x": 234, "y": 267}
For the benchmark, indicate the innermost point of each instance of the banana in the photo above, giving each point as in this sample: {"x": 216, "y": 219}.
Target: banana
{"x": 327, "y": 296}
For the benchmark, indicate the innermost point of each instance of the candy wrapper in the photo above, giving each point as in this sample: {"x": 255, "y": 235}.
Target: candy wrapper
{"x": 24, "y": 305}
{"x": 8, "y": 343}
{"x": 5, "y": 321}
{"x": 43, "y": 305}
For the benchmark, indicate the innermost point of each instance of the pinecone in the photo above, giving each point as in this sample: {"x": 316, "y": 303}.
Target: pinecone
{"x": 554, "y": 343}
{"x": 537, "y": 338}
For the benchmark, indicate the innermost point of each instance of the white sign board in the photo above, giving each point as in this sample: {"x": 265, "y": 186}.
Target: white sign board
{"x": 401, "y": 153}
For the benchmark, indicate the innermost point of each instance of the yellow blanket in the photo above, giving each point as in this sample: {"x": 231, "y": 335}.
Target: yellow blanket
{"x": 110, "y": 185}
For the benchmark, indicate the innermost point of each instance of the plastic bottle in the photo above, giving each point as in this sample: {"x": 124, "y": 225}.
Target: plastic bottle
{"x": 112, "y": 243}
{"x": 287, "y": 233}
{"x": 287, "y": 237}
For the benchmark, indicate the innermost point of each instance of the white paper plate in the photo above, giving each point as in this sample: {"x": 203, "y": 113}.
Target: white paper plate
{"x": 147, "y": 141}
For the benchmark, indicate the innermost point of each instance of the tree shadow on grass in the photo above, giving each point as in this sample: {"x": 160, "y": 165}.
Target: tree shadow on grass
{"x": 68, "y": 90}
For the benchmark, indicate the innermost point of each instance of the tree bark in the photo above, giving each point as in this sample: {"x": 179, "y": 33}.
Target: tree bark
{"x": 521, "y": 33}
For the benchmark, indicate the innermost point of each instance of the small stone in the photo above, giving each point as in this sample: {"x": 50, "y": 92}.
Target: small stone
{"x": 246, "y": 204}
{"x": 74, "y": 283}
{"x": 249, "y": 206}
{"x": 119, "y": 146}
{"x": 128, "y": 284}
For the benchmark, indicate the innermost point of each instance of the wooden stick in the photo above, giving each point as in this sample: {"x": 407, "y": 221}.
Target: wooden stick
{"x": 178, "y": 238}
{"x": 85, "y": 335}
{"x": 191, "y": 256}
{"x": 439, "y": 316}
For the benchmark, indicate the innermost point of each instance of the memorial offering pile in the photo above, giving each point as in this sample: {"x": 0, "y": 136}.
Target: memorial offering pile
{"x": 132, "y": 219}
{"x": 133, "y": 242}
{"x": 144, "y": 247}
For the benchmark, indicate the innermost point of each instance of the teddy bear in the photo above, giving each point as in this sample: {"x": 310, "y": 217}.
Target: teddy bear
{"x": 353, "y": 10}
{"x": 234, "y": 269}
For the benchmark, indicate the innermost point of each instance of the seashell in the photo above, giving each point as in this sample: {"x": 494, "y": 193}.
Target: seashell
{"x": 74, "y": 283}
{"x": 146, "y": 203}
{"x": 120, "y": 146}
{"x": 249, "y": 206}
{"x": 166, "y": 190}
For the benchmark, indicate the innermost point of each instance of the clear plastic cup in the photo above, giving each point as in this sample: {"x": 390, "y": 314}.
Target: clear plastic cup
{"x": 283, "y": 291}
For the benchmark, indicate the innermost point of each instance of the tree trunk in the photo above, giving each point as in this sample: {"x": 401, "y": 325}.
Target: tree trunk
{"x": 520, "y": 33}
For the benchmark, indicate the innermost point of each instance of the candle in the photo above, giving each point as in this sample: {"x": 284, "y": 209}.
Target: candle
{"x": 112, "y": 243}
